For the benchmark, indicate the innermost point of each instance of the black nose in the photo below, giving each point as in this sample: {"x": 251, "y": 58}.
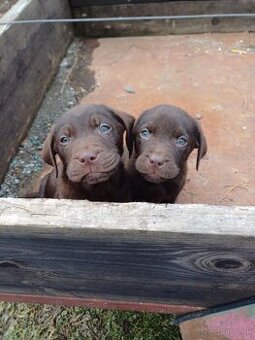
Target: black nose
{"x": 87, "y": 157}
{"x": 156, "y": 161}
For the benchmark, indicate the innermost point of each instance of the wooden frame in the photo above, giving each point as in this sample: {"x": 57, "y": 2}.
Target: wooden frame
{"x": 167, "y": 258}
{"x": 138, "y": 256}
{"x": 115, "y": 8}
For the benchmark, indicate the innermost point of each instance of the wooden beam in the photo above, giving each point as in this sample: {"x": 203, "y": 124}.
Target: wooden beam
{"x": 136, "y": 253}
{"x": 29, "y": 59}
{"x": 150, "y": 27}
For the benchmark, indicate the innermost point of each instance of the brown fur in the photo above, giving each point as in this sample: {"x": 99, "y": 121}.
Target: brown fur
{"x": 90, "y": 162}
{"x": 158, "y": 166}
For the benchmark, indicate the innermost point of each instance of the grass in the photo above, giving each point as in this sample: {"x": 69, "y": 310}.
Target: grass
{"x": 20, "y": 321}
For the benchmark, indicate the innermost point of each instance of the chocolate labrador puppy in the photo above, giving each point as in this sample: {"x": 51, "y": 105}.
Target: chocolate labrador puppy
{"x": 88, "y": 141}
{"x": 164, "y": 136}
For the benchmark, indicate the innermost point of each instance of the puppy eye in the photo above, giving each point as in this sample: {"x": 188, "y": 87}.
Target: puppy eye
{"x": 181, "y": 141}
{"x": 145, "y": 133}
{"x": 104, "y": 128}
{"x": 64, "y": 140}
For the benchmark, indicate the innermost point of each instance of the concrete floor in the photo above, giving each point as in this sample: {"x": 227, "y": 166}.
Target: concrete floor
{"x": 211, "y": 76}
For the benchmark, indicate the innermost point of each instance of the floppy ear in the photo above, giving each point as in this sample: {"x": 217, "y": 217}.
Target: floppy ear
{"x": 128, "y": 122}
{"x": 201, "y": 143}
{"x": 48, "y": 152}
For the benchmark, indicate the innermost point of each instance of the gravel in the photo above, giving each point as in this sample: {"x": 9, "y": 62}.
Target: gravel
{"x": 63, "y": 94}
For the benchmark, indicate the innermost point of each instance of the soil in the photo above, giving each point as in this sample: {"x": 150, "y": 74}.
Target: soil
{"x": 211, "y": 76}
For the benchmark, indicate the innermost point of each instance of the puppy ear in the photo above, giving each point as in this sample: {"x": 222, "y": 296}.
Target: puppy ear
{"x": 128, "y": 122}
{"x": 48, "y": 152}
{"x": 201, "y": 143}
{"x": 43, "y": 187}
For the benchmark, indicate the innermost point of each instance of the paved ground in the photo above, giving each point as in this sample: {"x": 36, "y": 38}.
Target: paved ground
{"x": 211, "y": 76}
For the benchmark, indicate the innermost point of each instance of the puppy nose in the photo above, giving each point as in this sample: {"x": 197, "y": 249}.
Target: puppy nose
{"x": 87, "y": 157}
{"x": 156, "y": 160}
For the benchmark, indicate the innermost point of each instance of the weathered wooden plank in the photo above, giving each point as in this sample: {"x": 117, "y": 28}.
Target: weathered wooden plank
{"x": 29, "y": 58}
{"x": 188, "y": 26}
{"x": 186, "y": 219}
{"x": 187, "y": 255}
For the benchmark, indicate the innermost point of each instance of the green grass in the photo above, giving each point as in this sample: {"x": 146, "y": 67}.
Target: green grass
{"x": 25, "y": 322}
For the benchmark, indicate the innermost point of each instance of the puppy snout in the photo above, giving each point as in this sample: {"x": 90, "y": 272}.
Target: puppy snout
{"x": 156, "y": 161}
{"x": 87, "y": 157}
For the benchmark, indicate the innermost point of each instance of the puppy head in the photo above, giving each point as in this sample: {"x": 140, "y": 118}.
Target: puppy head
{"x": 89, "y": 142}
{"x": 164, "y": 137}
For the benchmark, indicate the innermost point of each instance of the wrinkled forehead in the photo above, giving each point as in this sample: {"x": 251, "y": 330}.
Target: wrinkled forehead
{"x": 86, "y": 118}
{"x": 166, "y": 121}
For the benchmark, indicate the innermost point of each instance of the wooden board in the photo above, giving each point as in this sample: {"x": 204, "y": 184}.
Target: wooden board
{"x": 149, "y": 27}
{"x": 29, "y": 56}
{"x": 101, "y": 254}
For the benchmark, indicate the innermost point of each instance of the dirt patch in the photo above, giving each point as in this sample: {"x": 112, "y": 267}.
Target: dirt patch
{"x": 212, "y": 77}
{"x": 81, "y": 77}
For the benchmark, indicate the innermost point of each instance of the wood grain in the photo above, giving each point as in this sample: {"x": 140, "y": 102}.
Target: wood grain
{"x": 29, "y": 56}
{"x": 186, "y": 219}
{"x": 149, "y": 27}
{"x": 138, "y": 253}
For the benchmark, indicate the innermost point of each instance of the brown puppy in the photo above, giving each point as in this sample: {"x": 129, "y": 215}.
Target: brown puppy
{"x": 164, "y": 136}
{"x": 88, "y": 140}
